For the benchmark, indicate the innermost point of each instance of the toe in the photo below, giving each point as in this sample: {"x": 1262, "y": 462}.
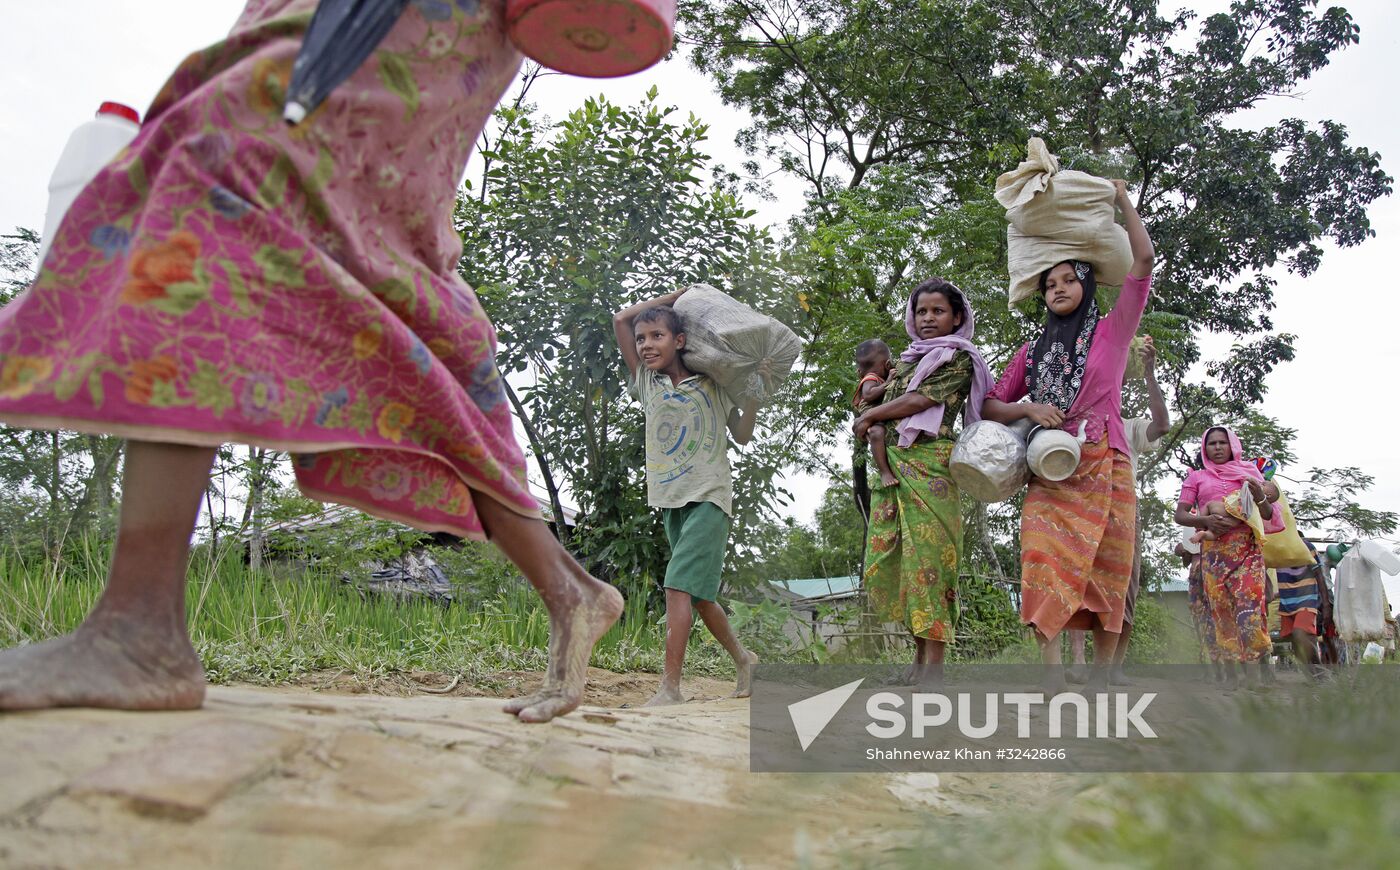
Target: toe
{"x": 548, "y": 708}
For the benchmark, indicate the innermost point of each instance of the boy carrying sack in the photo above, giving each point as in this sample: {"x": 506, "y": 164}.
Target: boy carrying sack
{"x": 688, "y": 477}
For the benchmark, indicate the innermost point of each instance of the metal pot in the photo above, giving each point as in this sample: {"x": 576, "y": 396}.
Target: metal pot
{"x": 989, "y": 461}
{"x": 1053, "y": 454}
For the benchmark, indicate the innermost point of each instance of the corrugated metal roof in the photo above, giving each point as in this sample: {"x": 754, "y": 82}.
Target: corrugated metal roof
{"x": 816, "y": 587}
{"x": 334, "y": 514}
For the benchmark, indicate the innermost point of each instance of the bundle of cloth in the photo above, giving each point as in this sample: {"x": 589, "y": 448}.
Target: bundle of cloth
{"x": 1361, "y": 608}
{"x": 1057, "y": 215}
{"x": 726, "y": 339}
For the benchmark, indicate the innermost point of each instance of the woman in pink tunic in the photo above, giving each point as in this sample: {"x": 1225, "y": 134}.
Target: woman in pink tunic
{"x": 1234, "y": 585}
{"x": 1078, "y": 534}
{"x": 231, "y": 278}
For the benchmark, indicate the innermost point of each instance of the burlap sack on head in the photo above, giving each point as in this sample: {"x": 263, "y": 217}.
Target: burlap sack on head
{"x": 1059, "y": 215}
{"x": 726, "y": 339}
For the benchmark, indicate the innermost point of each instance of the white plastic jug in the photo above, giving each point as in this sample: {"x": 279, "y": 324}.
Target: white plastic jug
{"x": 90, "y": 147}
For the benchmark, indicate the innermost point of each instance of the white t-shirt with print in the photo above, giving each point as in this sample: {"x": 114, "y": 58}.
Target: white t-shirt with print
{"x": 687, "y": 438}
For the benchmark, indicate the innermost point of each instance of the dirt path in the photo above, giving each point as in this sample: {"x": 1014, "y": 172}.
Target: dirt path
{"x": 297, "y": 778}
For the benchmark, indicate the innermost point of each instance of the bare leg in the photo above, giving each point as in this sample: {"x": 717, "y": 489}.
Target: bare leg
{"x": 875, "y": 436}
{"x": 1212, "y": 509}
{"x": 1266, "y": 668}
{"x": 1305, "y": 649}
{"x": 928, "y": 667}
{"x": 1120, "y": 652}
{"x": 1232, "y": 680}
{"x": 581, "y": 608}
{"x": 132, "y": 652}
{"x": 1105, "y": 642}
{"x": 1078, "y": 672}
{"x": 744, "y": 659}
{"x": 679, "y": 618}
{"x": 1053, "y": 683}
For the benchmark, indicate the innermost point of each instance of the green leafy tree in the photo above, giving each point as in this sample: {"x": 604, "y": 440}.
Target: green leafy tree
{"x": 53, "y": 485}
{"x": 831, "y": 545}
{"x": 571, "y": 222}
{"x": 899, "y": 114}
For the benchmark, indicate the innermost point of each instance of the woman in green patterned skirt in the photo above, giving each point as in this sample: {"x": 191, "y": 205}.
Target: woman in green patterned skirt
{"x": 915, "y": 537}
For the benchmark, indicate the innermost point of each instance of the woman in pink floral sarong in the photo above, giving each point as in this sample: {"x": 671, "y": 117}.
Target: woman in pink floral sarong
{"x": 231, "y": 278}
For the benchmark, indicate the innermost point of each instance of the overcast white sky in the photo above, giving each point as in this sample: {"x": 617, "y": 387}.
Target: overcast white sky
{"x": 62, "y": 59}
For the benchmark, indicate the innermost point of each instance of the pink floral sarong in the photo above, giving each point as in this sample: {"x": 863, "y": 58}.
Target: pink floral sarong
{"x": 230, "y": 278}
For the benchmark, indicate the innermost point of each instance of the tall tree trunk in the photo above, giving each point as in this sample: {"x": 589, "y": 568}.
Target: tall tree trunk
{"x": 253, "y": 510}
{"x": 92, "y": 507}
{"x": 860, "y": 483}
{"x": 213, "y": 525}
{"x": 561, "y": 528}
{"x": 55, "y": 493}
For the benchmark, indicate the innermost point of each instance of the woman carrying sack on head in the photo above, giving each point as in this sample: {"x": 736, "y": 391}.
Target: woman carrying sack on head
{"x": 915, "y": 537}
{"x": 1077, "y": 534}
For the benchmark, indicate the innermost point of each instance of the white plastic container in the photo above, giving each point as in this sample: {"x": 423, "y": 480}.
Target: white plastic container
{"x": 90, "y": 147}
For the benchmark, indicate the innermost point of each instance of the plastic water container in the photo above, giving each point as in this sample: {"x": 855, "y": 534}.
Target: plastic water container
{"x": 90, "y": 147}
{"x": 596, "y": 38}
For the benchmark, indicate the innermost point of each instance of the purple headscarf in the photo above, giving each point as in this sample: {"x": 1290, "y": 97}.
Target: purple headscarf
{"x": 930, "y": 353}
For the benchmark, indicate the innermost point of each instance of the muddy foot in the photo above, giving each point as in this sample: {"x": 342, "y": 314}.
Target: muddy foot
{"x": 1116, "y": 677}
{"x": 543, "y": 693}
{"x": 1097, "y": 682}
{"x": 1077, "y": 673}
{"x": 114, "y": 664}
{"x": 743, "y": 686}
{"x": 573, "y": 633}
{"x": 665, "y": 697}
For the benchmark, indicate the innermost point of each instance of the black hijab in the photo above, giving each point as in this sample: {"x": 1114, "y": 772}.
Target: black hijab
{"x": 1055, "y": 365}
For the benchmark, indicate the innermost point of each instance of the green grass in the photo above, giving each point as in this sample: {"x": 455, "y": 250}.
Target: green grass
{"x": 275, "y": 626}
{"x": 1169, "y": 821}
{"x": 1212, "y": 820}
{"x": 272, "y": 627}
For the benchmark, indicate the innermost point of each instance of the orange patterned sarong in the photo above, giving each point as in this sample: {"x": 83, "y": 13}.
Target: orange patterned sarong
{"x": 1077, "y": 539}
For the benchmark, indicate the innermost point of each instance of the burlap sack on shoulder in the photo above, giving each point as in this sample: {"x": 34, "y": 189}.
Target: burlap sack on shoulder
{"x": 1057, "y": 215}
{"x": 726, "y": 339}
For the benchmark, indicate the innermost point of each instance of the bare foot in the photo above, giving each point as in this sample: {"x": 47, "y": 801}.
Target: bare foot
{"x": 1097, "y": 682}
{"x": 1232, "y": 681}
{"x": 575, "y": 624}
{"x": 887, "y": 479}
{"x": 1077, "y": 673}
{"x": 1116, "y": 677}
{"x": 743, "y": 687}
{"x": 930, "y": 678}
{"x": 665, "y": 697}
{"x": 108, "y": 662}
{"x": 515, "y": 705}
{"x": 908, "y": 676}
{"x": 1053, "y": 682}
{"x": 548, "y": 689}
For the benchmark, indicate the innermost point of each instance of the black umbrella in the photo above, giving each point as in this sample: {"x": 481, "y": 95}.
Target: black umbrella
{"x": 342, "y": 34}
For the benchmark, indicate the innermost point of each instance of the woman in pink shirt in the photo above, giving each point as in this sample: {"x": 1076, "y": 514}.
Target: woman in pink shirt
{"x": 1077, "y": 534}
{"x": 1233, "y": 581}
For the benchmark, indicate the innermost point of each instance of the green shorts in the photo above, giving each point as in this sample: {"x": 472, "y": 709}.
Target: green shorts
{"x": 698, "y": 534}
